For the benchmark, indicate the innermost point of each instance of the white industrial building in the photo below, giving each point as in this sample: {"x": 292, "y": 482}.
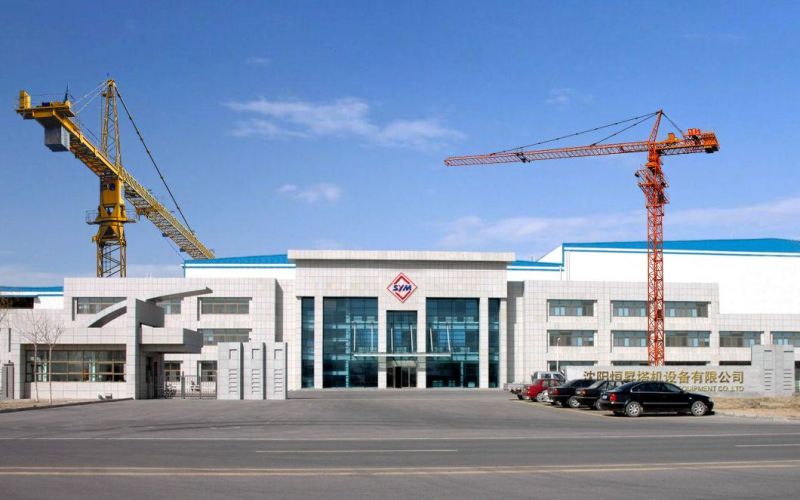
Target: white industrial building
{"x": 395, "y": 319}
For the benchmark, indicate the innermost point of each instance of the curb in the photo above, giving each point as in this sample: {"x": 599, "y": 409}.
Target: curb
{"x": 62, "y": 405}
{"x": 758, "y": 417}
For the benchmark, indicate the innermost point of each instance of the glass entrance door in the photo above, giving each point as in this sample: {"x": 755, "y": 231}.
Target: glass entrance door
{"x": 401, "y": 374}
{"x": 401, "y": 339}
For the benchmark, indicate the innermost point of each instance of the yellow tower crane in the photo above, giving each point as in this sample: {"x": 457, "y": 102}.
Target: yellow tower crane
{"x": 61, "y": 133}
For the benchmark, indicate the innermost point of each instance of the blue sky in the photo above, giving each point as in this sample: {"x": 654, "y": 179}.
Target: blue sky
{"x": 324, "y": 124}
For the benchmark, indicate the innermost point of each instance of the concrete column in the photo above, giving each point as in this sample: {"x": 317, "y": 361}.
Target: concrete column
{"x": 18, "y": 356}
{"x": 422, "y": 345}
{"x": 318, "y": 342}
{"x": 483, "y": 343}
{"x": 229, "y": 370}
{"x": 134, "y": 366}
{"x": 502, "y": 375}
{"x": 381, "y": 343}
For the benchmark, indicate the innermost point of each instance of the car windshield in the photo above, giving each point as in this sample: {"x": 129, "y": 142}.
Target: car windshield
{"x": 581, "y": 382}
{"x": 597, "y": 384}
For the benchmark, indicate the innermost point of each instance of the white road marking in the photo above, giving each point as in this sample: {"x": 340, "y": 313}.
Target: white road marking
{"x": 766, "y": 445}
{"x": 393, "y": 471}
{"x": 359, "y": 451}
{"x": 505, "y": 437}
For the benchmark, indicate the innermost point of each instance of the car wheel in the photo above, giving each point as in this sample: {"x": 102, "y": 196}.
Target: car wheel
{"x": 699, "y": 408}
{"x": 596, "y": 405}
{"x": 573, "y": 402}
{"x": 633, "y": 409}
{"x": 541, "y": 397}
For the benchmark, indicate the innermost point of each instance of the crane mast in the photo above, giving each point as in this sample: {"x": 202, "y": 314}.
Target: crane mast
{"x": 653, "y": 183}
{"x": 116, "y": 183}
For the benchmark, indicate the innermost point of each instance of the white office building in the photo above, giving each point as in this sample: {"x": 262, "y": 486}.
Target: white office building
{"x": 397, "y": 319}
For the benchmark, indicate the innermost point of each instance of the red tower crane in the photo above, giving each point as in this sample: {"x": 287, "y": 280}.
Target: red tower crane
{"x": 652, "y": 182}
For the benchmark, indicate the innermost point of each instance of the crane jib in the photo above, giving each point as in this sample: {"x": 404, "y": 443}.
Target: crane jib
{"x": 703, "y": 143}
{"x": 63, "y": 134}
{"x": 651, "y": 181}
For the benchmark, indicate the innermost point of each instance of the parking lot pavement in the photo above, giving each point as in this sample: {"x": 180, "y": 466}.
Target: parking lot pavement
{"x": 444, "y": 444}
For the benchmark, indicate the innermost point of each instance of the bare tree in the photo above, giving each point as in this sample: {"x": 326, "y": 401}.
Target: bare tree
{"x": 31, "y": 330}
{"x": 52, "y": 330}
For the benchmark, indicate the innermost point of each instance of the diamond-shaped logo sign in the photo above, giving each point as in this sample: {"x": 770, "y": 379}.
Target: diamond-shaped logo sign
{"x": 402, "y": 287}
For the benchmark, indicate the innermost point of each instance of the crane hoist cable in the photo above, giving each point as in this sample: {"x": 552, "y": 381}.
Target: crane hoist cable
{"x": 153, "y": 161}
{"x": 646, "y": 116}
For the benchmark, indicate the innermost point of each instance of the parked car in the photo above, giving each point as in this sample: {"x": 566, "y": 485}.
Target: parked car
{"x": 590, "y": 396}
{"x": 537, "y": 391}
{"x": 565, "y": 393}
{"x": 521, "y": 390}
{"x": 634, "y": 398}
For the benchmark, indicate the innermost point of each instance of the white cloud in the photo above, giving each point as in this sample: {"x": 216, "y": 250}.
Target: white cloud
{"x": 257, "y": 61}
{"x": 564, "y": 96}
{"x": 779, "y": 218}
{"x": 259, "y": 127}
{"x": 340, "y": 118}
{"x": 311, "y": 194}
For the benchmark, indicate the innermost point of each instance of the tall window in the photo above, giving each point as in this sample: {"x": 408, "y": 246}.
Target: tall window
{"x": 307, "y": 341}
{"x": 686, "y": 309}
{"x": 207, "y": 370}
{"x": 76, "y": 366}
{"x": 573, "y": 338}
{"x": 401, "y": 329}
{"x": 687, "y": 339}
{"x": 213, "y": 336}
{"x": 629, "y": 338}
{"x": 786, "y": 338}
{"x": 172, "y": 371}
{"x": 225, "y": 305}
{"x": 629, "y": 308}
{"x": 349, "y": 335}
{"x": 739, "y": 339}
{"x": 494, "y": 342}
{"x": 452, "y": 328}
{"x": 570, "y": 307}
{"x": 93, "y": 305}
{"x": 170, "y": 306}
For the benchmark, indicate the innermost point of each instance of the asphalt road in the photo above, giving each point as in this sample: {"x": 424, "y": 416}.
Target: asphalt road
{"x": 379, "y": 444}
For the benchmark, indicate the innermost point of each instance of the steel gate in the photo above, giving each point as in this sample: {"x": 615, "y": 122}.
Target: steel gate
{"x": 188, "y": 387}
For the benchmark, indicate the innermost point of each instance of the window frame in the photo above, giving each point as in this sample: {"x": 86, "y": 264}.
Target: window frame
{"x": 224, "y": 305}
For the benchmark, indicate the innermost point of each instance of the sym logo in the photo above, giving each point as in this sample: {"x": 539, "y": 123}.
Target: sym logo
{"x": 402, "y": 287}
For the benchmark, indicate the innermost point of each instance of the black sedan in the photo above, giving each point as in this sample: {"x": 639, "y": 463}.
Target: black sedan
{"x": 565, "y": 394}
{"x": 590, "y": 396}
{"x": 634, "y": 398}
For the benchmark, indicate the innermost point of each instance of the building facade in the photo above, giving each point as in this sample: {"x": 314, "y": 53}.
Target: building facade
{"x": 401, "y": 319}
